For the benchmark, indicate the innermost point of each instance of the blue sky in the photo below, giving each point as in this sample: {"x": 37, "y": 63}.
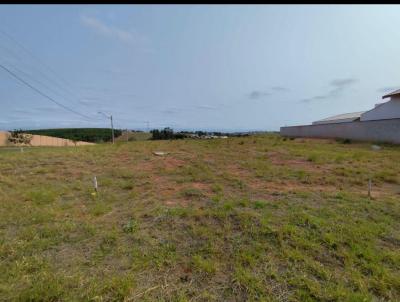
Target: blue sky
{"x": 215, "y": 67}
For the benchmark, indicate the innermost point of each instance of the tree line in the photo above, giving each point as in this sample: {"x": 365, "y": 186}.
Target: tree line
{"x": 93, "y": 135}
{"x": 168, "y": 133}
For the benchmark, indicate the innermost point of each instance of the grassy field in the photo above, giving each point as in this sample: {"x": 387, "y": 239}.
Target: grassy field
{"x": 242, "y": 219}
{"x": 133, "y": 136}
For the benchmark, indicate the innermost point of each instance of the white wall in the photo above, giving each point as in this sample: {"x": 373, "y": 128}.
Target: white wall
{"x": 387, "y": 110}
{"x": 42, "y": 140}
{"x": 379, "y": 131}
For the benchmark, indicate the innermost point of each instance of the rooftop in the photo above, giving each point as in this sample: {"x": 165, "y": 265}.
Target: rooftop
{"x": 344, "y": 116}
{"x": 396, "y": 92}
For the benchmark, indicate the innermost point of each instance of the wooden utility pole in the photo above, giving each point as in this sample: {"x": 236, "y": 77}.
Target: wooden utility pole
{"x": 112, "y": 126}
{"x": 112, "y": 129}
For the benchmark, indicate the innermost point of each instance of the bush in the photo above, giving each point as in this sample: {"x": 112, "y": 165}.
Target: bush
{"x": 166, "y": 133}
{"x": 18, "y": 137}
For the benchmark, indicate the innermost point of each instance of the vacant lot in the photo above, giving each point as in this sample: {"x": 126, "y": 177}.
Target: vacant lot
{"x": 257, "y": 218}
{"x": 133, "y": 136}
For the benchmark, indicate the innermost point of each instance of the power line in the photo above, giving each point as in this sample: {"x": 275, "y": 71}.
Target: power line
{"x": 18, "y": 57}
{"x": 29, "y": 76}
{"x": 42, "y": 93}
{"x": 70, "y": 89}
{"x": 61, "y": 79}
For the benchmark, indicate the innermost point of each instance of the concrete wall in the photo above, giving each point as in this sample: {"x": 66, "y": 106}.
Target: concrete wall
{"x": 388, "y": 110}
{"x": 4, "y": 138}
{"x": 43, "y": 140}
{"x": 379, "y": 131}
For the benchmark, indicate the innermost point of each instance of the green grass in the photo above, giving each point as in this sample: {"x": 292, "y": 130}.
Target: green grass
{"x": 242, "y": 219}
{"x": 133, "y": 136}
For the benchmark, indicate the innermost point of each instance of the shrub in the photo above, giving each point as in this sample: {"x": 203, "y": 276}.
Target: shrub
{"x": 131, "y": 226}
{"x": 19, "y": 138}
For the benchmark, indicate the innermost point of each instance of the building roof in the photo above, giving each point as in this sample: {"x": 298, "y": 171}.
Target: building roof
{"x": 396, "y": 92}
{"x": 345, "y": 116}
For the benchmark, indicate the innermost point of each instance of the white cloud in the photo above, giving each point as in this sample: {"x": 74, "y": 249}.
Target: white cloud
{"x": 126, "y": 36}
{"x": 107, "y": 30}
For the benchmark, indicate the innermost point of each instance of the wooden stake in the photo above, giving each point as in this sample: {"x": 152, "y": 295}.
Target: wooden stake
{"x": 95, "y": 183}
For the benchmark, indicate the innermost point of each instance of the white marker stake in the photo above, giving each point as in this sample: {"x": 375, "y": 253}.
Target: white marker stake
{"x": 95, "y": 183}
{"x": 22, "y": 150}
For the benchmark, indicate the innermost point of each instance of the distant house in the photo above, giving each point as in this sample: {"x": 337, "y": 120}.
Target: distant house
{"x": 381, "y": 123}
{"x": 387, "y": 110}
{"x": 341, "y": 118}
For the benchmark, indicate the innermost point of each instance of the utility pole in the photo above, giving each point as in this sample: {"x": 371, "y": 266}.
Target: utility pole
{"x": 112, "y": 129}
{"x": 112, "y": 126}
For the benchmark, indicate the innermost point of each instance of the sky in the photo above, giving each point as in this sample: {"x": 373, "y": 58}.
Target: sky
{"x": 193, "y": 67}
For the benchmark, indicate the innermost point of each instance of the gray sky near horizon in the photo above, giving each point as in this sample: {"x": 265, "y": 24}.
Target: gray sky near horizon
{"x": 216, "y": 67}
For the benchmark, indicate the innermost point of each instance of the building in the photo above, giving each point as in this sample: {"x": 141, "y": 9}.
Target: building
{"x": 341, "y": 118}
{"x": 380, "y": 124}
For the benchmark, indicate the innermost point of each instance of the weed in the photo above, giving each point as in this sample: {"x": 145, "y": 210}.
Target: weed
{"x": 192, "y": 193}
{"x": 203, "y": 265}
{"x": 41, "y": 196}
{"x": 99, "y": 208}
{"x": 131, "y": 226}
{"x": 127, "y": 185}
{"x": 259, "y": 204}
{"x": 312, "y": 158}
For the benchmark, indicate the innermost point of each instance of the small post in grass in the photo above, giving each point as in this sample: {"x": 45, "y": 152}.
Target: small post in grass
{"x": 369, "y": 187}
{"x": 22, "y": 150}
{"x": 95, "y": 184}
